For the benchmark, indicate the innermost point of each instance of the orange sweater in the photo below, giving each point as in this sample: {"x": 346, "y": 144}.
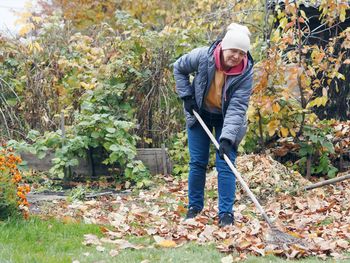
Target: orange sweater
{"x": 213, "y": 99}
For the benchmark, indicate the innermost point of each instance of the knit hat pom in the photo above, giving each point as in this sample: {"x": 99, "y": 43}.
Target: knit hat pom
{"x": 237, "y": 37}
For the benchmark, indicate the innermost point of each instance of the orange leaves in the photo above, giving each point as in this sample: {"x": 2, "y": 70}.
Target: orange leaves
{"x": 276, "y": 108}
{"x": 11, "y": 189}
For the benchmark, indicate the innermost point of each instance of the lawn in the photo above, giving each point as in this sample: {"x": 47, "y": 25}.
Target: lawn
{"x": 52, "y": 241}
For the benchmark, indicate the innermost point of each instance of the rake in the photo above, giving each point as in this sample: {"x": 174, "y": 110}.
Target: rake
{"x": 277, "y": 236}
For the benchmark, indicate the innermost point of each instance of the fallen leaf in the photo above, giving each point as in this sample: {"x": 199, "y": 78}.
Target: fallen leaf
{"x": 167, "y": 244}
{"x": 243, "y": 245}
{"x": 151, "y": 231}
{"x": 227, "y": 259}
{"x": 255, "y": 224}
{"x": 221, "y": 234}
{"x": 90, "y": 239}
{"x": 69, "y": 220}
{"x": 313, "y": 203}
{"x": 207, "y": 233}
{"x": 342, "y": 243}
{"x": 91, "y": 202}
{"x": 124, "y": 244}
{"x": 259, "y": 250}
{"x": 100, "y": 248}
{"x": 158, "y": 239}
{"x": 113, "y": 252}
{"x": 326, "y": 245}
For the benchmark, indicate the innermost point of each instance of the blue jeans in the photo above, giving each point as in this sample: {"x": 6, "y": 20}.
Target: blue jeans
{"x": 198, "y": 143}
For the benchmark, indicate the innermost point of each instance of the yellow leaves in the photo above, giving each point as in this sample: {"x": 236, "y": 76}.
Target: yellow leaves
{"x": 284, "y": 132}
{"x": 346, "y": 42}
{"x": 276, "y": 108}
{"x": 292, "y": 132}
{"x": 34, "y": 46}
{"x": 26, "y": 29}
{"x": 87, "y": 12}
{"x": 317, "y": 56}
{"x": 283, "y": 22}
{"x": 87, "y": 86}
{"x": 251, "y": 113}
{"x": 340, "y": 76}
{"x": 302, "y": 12}
{"x": 342, "y": 14}
{"x": 272, "y": 126}
{"x": 276, "y": 36}
{"x": 319, "y": 101}
{"x": 167, "y": 243}
{"x": 36, "y": 19}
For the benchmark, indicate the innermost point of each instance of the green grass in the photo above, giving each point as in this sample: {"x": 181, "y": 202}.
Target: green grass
{"x": 52, "y": 241}
{"x": 42, "y": 241}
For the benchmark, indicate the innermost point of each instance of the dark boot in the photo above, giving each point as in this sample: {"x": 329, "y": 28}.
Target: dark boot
{"x": 192, "y": 212}
{"x": 226, "y": 219}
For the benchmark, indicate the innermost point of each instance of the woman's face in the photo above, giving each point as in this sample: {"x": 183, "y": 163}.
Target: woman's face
{"x": 232, "y": 57}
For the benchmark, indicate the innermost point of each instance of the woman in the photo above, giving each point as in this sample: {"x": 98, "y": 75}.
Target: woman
{"x": 220, "y": 93}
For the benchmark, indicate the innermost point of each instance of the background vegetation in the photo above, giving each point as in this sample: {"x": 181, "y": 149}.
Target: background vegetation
{"x": 86, "y": 75}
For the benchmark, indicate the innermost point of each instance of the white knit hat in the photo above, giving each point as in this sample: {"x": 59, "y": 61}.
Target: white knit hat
{"x": 237, "y": 36}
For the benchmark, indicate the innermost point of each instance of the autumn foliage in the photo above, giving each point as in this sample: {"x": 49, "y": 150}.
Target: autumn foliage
{"x": 13, "y": 192}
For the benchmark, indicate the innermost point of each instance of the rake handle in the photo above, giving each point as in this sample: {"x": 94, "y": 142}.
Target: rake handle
{"x": 235, "y": 172}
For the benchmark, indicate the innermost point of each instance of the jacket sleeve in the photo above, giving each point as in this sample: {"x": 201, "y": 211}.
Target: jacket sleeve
{"x": 183, "y": 67}
{"x": 236, "y": 111}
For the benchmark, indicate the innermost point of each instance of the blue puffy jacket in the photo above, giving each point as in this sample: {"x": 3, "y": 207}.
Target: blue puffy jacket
{"x": 200, "y": 62}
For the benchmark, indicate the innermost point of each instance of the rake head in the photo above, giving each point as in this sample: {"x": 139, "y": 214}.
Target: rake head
{"x": 278, "y": 237}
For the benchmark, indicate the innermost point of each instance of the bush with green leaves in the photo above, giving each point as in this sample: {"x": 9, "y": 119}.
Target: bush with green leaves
{"x": 316, "y": 147}
{"x": 100, "y": 124}
{"x": 179, "y": 155}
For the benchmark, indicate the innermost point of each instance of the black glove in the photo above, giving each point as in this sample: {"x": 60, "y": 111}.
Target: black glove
{"x": 190, "y": 104}
{"x": 225, "y": 148}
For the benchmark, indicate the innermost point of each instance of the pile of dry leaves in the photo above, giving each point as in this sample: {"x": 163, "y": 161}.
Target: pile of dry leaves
{"x": 267, "y": 177}
{"x": 320, "y": 217}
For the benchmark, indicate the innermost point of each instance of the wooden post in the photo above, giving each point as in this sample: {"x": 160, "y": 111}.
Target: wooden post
{"x": 62, "y": 125}
{"x": 308, "y": 165}
{"x": 165, "y": 168}
{"x": 66, "y": 171}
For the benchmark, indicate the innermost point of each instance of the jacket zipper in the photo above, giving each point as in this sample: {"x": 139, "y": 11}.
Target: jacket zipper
{"x": 224, "y": 99}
